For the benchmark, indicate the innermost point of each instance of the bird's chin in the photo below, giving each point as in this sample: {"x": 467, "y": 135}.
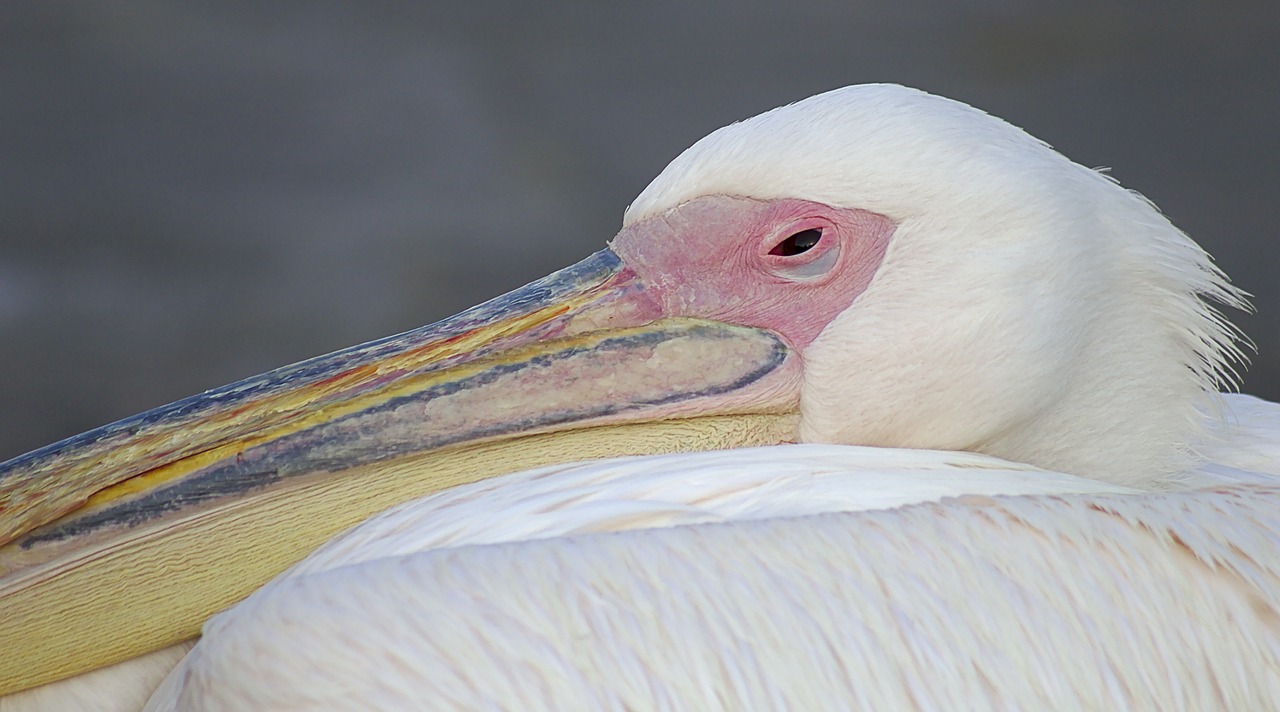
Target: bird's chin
{"x": 155, "y": 522}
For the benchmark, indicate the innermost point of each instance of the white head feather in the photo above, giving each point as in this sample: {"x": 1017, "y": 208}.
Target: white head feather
{"x": 1027, "y": 307}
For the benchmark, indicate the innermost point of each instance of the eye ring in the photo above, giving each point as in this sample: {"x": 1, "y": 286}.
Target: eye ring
{"x": 798, "y": 243}
{"x": 809, "y": 252}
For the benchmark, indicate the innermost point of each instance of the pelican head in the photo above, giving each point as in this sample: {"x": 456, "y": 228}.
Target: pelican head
{"x": 873, "y": 265}
{"x": 1024, "y": 306}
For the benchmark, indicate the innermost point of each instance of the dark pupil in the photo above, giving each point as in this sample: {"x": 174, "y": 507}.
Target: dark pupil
{"x": 802, "y": 241}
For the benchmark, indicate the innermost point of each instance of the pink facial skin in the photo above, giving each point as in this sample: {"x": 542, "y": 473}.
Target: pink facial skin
{"x": 751, "y": 262}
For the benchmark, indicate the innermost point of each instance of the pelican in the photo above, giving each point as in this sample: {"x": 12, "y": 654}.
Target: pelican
{"x": 966, "y": 447}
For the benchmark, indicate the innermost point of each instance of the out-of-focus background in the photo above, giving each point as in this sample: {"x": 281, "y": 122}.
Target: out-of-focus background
{"x": 193, "y": 193}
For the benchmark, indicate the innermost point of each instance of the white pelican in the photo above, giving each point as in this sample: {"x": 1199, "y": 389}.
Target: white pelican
{"x": 1059, "y": 510}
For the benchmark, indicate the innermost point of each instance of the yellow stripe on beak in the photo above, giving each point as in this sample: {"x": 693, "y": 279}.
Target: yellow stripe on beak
{"x": 126, "y": 538}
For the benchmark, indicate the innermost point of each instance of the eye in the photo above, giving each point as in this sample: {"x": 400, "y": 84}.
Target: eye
{"x": 798, "y": 243}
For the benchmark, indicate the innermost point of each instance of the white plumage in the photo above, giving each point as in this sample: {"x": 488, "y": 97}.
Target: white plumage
{"x": 736, "y": 585}
{"x": 1026, "y": 308}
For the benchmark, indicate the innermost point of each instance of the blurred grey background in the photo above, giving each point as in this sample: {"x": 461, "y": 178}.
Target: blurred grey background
{"x": 190, "y": 194}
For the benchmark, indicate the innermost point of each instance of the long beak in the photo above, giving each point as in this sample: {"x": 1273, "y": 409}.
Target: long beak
{"x": 124, "y": 539}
